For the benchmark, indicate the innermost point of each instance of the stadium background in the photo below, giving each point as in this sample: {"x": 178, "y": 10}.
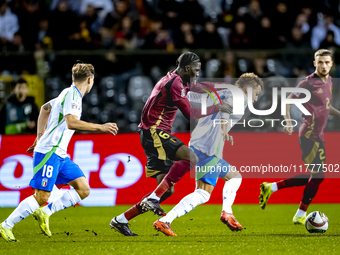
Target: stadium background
{"x": 134, "y": 43}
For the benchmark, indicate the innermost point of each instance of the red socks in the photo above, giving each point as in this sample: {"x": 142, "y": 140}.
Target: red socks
{"x": 176, "y": 172}
{"x": 281, "y": 184}
{"x": 312, "y": 188}
{"x": 135, "y": 210}
{"x": 303, "y": 207}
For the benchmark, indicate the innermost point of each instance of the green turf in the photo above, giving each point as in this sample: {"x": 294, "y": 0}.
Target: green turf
{"x": 83, "y": 230}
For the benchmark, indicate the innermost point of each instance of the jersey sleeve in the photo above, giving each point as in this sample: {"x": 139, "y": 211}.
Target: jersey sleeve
{"x": 207, "y": 85}
{"x": 195, "y": 113}
{"x": 72, "y": 103}
{"x": 52, "y": 102}
{"x": 302, "y": 84}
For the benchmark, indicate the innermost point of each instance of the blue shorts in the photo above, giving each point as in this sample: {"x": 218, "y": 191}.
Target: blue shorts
{"x": 210, "y": 168}
{"x": 50, "y": 169}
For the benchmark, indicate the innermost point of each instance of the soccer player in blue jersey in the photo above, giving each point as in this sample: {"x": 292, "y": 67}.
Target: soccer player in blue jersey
{"x": 50, "y": 161}
{"x": 207, "y": 142}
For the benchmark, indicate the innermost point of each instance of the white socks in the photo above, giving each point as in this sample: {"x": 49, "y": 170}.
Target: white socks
{"x": 122, "y": 219}
{"x": 188, "y": 203}
{"x": 29, "y": 205}
{"x": 24, "y": 209}
{"x": 300, "y": 213}
{"x": 69, "y": 198}
{"x": 274, "y": 186}
{"x": 229, "y": 192}
{"x": 153, "y": 196}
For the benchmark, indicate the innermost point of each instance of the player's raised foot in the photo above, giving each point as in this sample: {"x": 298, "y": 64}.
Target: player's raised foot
{"x": 164, "y": 228}
{"x": 43, "y": 221}
{"x": 299, "y": 220}
{"x": 7, "y": 234}
{"x": 266, "y": 191}
{"x": 151, "y": 204}
{"x": 230, "y": 221}
{"x": 122, "y": 228}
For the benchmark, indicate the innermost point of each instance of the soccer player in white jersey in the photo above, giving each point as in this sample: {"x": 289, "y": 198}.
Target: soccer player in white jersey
{"x": 207, "y": 141}
{"x": 51, "y": 163}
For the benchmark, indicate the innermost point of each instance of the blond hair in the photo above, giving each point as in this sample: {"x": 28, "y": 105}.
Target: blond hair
{"x": 322, "y": 52}
{"x": 80, "y": 71}
{"x": 247, "y": 78}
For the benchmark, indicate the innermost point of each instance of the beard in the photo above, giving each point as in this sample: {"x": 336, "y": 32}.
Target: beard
{"x": 324, "y": 74}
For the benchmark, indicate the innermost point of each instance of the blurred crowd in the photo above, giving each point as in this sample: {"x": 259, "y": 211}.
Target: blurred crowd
{"x": 124, "y": 81}
{"x": 26, "y": 25}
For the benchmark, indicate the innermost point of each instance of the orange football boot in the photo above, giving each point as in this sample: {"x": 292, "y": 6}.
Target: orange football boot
{"x": 164, "y": 228}
{"x": 230, "y": 221}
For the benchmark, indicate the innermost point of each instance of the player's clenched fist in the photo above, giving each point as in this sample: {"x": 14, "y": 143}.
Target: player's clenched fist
{"x": 109, "y": 128}
{"x": 288, "y": 130}
{"x": 225, "y": 107}
{"x": 31, "y": 149}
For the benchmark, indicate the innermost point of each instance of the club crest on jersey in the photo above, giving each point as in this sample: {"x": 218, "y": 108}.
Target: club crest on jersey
{"x": 44, "y": 182}
{"x": 183, "y": 93}
{"x": 74, "y": 106}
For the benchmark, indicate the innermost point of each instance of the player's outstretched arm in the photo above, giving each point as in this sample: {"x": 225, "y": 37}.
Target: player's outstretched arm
{"x": 42, "y": 122}
{"x": 75, "y": 124}
{"x": 225, "y": 107}
{"x": 334, "y": 112}
{"x": 195, "y": 113}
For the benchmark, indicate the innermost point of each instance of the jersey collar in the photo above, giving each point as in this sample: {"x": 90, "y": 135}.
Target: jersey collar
{"x": 77, "y": 90}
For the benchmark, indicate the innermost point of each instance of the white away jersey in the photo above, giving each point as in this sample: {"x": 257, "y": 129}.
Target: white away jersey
{"x": 205, "y": 137}
{"x": 57, "y": 136}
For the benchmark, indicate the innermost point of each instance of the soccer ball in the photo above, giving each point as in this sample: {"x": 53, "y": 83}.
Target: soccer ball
{"x": 316, "y": 222}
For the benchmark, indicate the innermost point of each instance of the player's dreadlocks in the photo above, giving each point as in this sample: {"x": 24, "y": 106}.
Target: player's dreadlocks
{"x": 186, "y": 59}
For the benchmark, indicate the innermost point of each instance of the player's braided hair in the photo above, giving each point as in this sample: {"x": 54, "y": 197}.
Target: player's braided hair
{"x": 80, "y": 71}
{"x": 186, "y": 59}
{"x": 246, "y": 78}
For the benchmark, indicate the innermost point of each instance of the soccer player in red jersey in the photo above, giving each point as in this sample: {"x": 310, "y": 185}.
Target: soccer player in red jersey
{"x": 311, "y": 135}
{"x": 160, "y": 146}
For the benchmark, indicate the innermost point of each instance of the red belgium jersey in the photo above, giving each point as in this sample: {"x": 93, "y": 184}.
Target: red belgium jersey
{"x": 166, "y": 98}
{"x": 160, "y": 109}
{"x": 313, "y": 126}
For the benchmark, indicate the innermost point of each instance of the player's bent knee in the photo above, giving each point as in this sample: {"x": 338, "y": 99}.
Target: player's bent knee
{"x": 204, "y": 196}
{"x": 84, "y": 192}
{"x": 193, "y": 158}
{"x": 187, "y": 154}
{"x": 42, "y": 196}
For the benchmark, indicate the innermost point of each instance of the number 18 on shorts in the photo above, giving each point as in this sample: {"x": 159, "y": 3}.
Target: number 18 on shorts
{"x": 51, "y": 169}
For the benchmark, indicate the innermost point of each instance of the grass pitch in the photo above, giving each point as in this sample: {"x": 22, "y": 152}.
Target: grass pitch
{"x": 85, "y": 230}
